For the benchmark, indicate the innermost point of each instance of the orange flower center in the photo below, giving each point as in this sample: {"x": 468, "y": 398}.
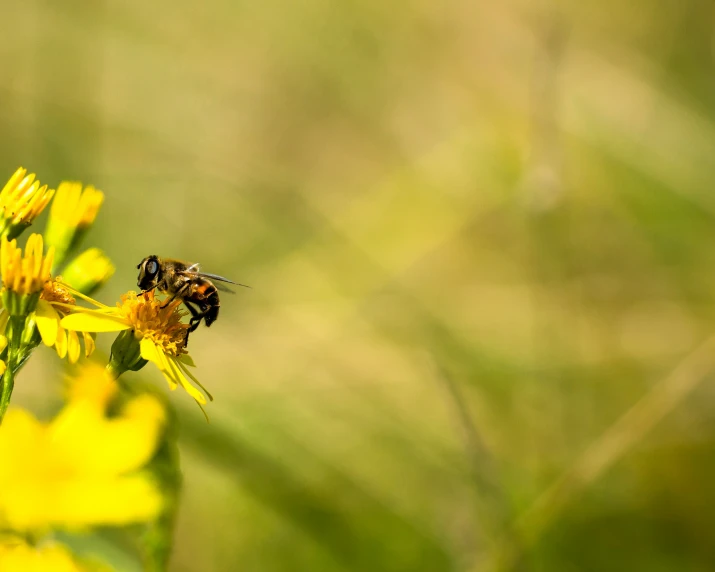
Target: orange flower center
{"x": 55, "y": 291}
{"x": 163, "y": 326}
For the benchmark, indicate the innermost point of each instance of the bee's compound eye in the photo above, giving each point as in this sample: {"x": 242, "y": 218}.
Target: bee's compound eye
{"x": 152, "y": 267}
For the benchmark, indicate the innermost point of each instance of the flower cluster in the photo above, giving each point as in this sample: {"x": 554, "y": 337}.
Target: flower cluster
{"x": 107, "y": 458}
{"x": 33, "y": 299}
{"x": 40, "y": 306}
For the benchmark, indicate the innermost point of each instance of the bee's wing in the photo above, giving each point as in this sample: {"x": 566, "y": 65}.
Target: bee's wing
{"x": 217, "y": 278}
{"x": 196, "y": 269}
{"x": 223, "y": 288}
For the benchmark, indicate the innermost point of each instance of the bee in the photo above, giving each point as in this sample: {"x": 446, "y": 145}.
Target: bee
{"x": 184, "y": 281}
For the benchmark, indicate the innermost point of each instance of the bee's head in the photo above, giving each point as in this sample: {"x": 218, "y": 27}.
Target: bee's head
{"x": 148, "y": 273}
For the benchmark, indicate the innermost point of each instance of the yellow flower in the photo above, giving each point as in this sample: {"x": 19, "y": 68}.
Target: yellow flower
{"x": 21, "y": 200}
{"x": 158, "y": 331}
{"x": 56, "y": 301}
{"x": 25, "y": 275}
{"x": 72, "y": 212}
{"x": 83, "y": 468}
{"x": 23, "y": 278}
{"x": 16, "y": 556}
{"x": 30, "y": 290}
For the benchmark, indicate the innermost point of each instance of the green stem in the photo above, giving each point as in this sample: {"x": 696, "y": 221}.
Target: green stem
{"x": 8, "y": 383}
{"x": 14, "y": 360}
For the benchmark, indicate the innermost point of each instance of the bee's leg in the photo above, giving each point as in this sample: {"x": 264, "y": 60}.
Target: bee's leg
{"x": 194, "y": 322}
{"x": 196, "y": 317}
{"x": 195, "y": 314}
{"x": 175, "y": 295}
{"x": 169, "y": 300}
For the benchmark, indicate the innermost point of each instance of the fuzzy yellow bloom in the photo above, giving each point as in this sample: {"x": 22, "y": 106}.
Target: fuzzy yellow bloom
{"x": 159, "y": 331}
{"x": 23, "y": 278}
{"x": 17, "y": 556}
{"x": 21, "y": 200}
{"x": 82, "y": 468}
{"x": 73, "y": 211}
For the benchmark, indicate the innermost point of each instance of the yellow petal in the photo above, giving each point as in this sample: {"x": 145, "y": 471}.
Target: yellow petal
{"x": 173, "y": 384}
{"x": 72, "y": 346}
{"x": 151, "y": 353}
{"x": 48, "y": 321}
{"x": 116, "y": 445}
{"x": 92, "y": 301}
{"x": 147, "y": 409}
{"x": 2, "y": 367}
{"x": 89, "y": 344}
{"x": 13, "y": 182}
{"x": 16, "y": 555}
{"x": 47, "y": 265}
{"x": 185, "y": 383}
{"x": 37, "y": 263}
{"x": 83, "y": 502}
{"x": 196, "y": 381}
{"x": 61, "y": 343}
{"x": 94, "y": 321}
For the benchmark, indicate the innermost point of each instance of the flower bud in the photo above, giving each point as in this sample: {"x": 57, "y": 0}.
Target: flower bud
{"x": 72, "y": 212}
{"x": 21, "y": 200}
{"x": 88, "y": 271}
{"x": 126, "y": 354}
{"x": 23, "y": 278}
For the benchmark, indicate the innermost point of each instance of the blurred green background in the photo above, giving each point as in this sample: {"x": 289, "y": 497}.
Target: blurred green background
{"x": 477, "y": 235}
